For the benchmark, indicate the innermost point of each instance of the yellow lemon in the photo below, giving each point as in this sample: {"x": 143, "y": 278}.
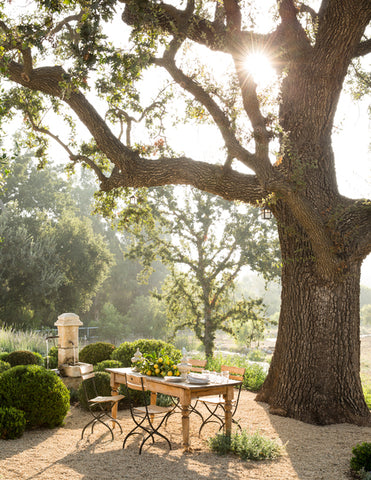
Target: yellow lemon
{"x": 157, "y": 370}
{"x": 155, "y": 365}
{"x": 149, "y": 372}
{"x": 177, "y": 374}
{"x": 174, "y": 367}
{"x": 160, "y": 360}
{"x": 169, "y": 373}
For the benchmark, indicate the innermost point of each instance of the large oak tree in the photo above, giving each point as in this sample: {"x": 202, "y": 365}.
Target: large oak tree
{"x": 58, "y": 50}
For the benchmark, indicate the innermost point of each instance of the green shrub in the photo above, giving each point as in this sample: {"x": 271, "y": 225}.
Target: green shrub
{"x": 51, "y": 361}
{"x": 361, "y": 457}
{"x": 12, "y": 423}
{"x": 74, "y": 396}
{"x": 4, "y": 366}
{"x": 248, "y": 446}
{"x": 96, "y": 352}
{"x": 3, "y": 356}
{"x": 363, "y": 475}
{"x": 367, "y": 394}
{"x": 126, "y": 350}
{"x": 40, "y": 393}
{"x": 101, "y": 366}
{"x": 254, "y": 377}
{"x": 257, "y": 355}
{"x": 24, "y": 357}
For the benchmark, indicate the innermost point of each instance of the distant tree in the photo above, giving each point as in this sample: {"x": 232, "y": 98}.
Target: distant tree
{"x": 146, "y": 318}
{"x": 51, "y": 261}
{"x": 29, "y": 277}
{"x": 205, "y": 241}
{"x": 111, "y": 324}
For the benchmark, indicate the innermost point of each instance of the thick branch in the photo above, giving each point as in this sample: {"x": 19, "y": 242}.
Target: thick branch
{"x": 363, "y": 48}
{"x": 221, "y": 120}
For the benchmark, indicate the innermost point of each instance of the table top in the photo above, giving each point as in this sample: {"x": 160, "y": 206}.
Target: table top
{"x": 177, "y": 384}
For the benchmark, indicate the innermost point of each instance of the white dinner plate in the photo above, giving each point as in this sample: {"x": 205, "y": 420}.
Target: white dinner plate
{"x": 173, "y": 379}
{"x": 200, "y": 380}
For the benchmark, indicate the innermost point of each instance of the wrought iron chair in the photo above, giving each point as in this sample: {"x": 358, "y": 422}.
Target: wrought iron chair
{"x": 215, "y": 405}
{"x": 144, "y": 416}
{"x": 99, "y": 406}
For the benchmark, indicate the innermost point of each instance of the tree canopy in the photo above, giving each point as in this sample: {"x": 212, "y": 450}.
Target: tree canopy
{"x": 277, "y": 148}
{"x": 205, "y": 242}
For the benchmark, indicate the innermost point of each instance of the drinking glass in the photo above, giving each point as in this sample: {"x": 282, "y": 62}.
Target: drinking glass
{"x": 225, "y": 376}
{"x": 206, "y": 374}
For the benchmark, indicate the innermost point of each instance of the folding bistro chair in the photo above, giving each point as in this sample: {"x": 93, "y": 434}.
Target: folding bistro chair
{"x": 144, "y": 416}
{"x": 99, "y": 406}
{"x": 215, "y": 405}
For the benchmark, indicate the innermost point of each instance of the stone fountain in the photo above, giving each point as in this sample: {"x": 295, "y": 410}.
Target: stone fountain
{"x": 68, "y": 346}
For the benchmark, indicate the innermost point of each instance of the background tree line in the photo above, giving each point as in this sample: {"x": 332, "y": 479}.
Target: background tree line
{"x": 56, "y": 257}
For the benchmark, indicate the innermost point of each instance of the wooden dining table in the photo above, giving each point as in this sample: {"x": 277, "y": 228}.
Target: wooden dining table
{"x": 183, "y": 390}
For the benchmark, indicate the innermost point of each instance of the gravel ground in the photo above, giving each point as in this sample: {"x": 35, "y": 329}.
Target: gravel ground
{"x": 310, "y": 452}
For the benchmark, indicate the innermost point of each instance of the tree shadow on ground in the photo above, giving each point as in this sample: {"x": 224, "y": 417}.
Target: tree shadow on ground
{"x": 318, "y": 452}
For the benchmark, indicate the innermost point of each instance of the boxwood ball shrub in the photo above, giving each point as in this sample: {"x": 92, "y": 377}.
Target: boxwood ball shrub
{"x": 96, "y": 352}
{"x": 126, "y": 350}
{"x": 4, "y": 366}
{"x": 101, "y": 366}
{"x": 361, "y": 457}
{"x": 24, "y": 357}
{"x": 3, "y": 356}
{"x": 40, "y": 393}
{"x": 12, "y": 423}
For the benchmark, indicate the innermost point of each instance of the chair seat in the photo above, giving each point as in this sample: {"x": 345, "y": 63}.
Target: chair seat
{"x": 152, "y": 410}
{"x": 214, "y": 400}
{"x": 113, "y": 398}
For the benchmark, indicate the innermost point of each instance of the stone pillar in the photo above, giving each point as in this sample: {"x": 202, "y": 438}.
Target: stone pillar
{"x": 68, "y": 342}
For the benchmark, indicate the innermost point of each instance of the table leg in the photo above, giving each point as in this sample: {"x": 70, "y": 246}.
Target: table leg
{"x": 114, "y": 391}
{"x": 228, "y": 397}
{"x": 185, "y": 426}
{"x": 153, "y": 402}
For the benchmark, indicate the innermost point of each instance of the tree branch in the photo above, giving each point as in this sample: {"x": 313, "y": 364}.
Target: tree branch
{"x": 363, "y": 48}
{"x": 234, "y": 147}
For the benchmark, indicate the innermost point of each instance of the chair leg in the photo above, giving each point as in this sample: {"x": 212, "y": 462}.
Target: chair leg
{"x": 210, "y": 418}
{"x": 98, "y": 418}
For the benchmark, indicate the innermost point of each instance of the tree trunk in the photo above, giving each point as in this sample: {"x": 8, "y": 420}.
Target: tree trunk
{"x": 315, "y": 371}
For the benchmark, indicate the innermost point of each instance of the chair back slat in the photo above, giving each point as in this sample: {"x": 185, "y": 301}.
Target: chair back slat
{"x": 235, "y": 373}
{"x": 197, "y": 365}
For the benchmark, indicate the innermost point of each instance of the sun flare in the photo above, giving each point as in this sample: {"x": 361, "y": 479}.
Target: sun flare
{"x": 259, "y": 66}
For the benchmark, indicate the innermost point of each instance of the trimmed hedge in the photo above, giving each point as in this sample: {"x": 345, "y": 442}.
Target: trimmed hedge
{"x": 24, "y": 357}
{"x": 96, "y": 352}
{"x": 12, "y": 423}
{"x": 126, "y": 350}
{"x": 4, "y": 366}
{"x": 101, "y": 366}
{"x": 40, "y": 393}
